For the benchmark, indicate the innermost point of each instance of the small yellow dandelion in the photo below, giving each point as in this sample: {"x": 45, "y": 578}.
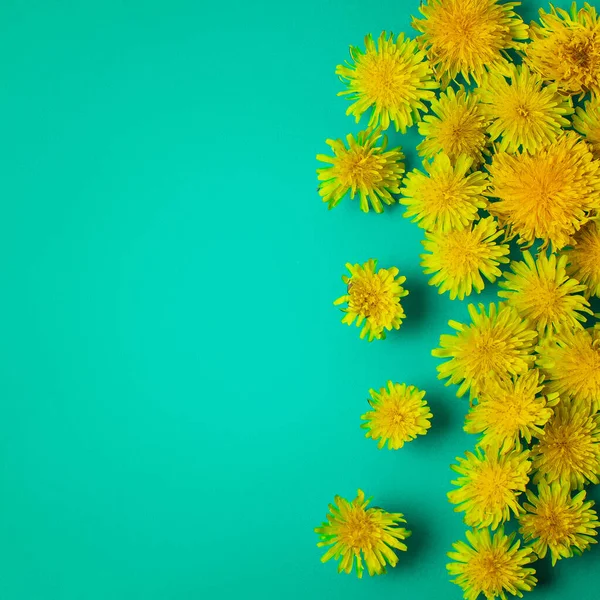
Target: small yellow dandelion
{"x": 447, "y": 197}
{"x": 368, "y": 535}
{"x": 584, "y": 258}
{"x": 489, "y": 485}
{"x": 497, "y": 343}
{"x": 399, "y": 414}
{"x": 459, "y": 258}
{"x": 373, "y": 299}
{"x": 555, "y": 521}
{"x": 391, "y": 78}
{"x": 492, "y": 565}
{"x": 587, "y": 122}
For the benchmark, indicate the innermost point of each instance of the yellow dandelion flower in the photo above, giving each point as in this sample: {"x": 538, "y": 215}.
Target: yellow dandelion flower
{"x": 460, "y": 257}
{"x": 511, "y": 410}
{"x": 469, "y": 36}
{"x": 547, "y": 195}
{"x": 391, "y": 78}
{"x": 523, "y": 113}
{"x": 587, "y": 122}
{"x": 361, "y": 166}
{"x": 584, "y": 258}
{"x": 499, "y": 344}
{"x": 373, "y": 299}
{"x": 570, "y": 447}
{"x": 565, "y": 48}
{"x": 399, "y": 414}
{"x": 454, "y": 125}
{"x": 571, "y": 362}
{"x": 447, "y": 197}
{"x": 368, "y": 535}
{"x": 489, "y": 485}
{"x": 557, "y": 522}
{"x": 492, "y": 565}
{"x": 542, "y": 292}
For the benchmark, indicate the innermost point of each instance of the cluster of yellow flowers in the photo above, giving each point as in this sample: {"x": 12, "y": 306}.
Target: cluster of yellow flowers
{"x": 510, "y": 115}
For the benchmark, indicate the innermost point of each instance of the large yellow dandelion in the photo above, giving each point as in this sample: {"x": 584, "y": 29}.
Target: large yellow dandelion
{"x": 548, "y": 195}
{"x": 459, "y": 258}
{"x": 367, "y": 535}
{"x": 489, "y": 485}
{"x": 492, "y": 565}
{"x": 586, "y": 121}
{"x": 497, "y": 343}
{"x": 584, "y": 257}
{"x": 469, "y": 36}
{"x": 390, "y": 77}
{"x": 523, "y": 113}
{"x": 555, "y": 521}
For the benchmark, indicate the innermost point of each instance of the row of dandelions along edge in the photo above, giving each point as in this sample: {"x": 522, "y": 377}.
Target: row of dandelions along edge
{"x": 501, "y": 148}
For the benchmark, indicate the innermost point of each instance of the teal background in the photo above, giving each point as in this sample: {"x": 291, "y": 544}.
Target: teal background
{"x": 180, "y": 401}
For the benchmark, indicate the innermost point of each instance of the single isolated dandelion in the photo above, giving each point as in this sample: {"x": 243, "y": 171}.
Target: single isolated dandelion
{"x": 556, "y": 522}
{"x": 523, "y": 113}
{"x": 496, "y": 344}
{"x": 565, "y": 48}
{"x": 445, "y": 198}
{"x": 367, "y": 535}
{"x": 489, "y": 485}
{"x": 458, "y": 258}
{"x": 584, "y": 257}
{"x": 468, "y": 37}
{"x": 373, "y": 299}
{"x": 510, "y": 411}
{"x": 391, "y": 77}
{"x": 399, "y": 414}
{"x": 547, "y": 195}
{"x": 569, "y": 450}
{"x": 586, "y": 121}
{"x": 542, "y": 292}
{"x": 454, "y": 125}
{"x": 492, "y": 565}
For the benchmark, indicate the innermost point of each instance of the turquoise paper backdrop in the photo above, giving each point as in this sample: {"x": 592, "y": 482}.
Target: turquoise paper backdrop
{"x": 180, "y": 401}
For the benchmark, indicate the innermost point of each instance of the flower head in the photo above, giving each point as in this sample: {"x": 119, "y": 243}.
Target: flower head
{"x": 366, "y": 534}
{"x": 584, "y": 258}
{"x": 391, "y": 78}
{"x": 373, "y": 299}
{"x": 361, "y": 166}
{"x": 542, "y": 292}
{"x": 460, "y": 257}
{"x": 548, "y": 195}
{"x": 492, "y": 565}
{"x": 469, "y": 36}
{"x": 447, "y": 197}
{"x": 399, "y": 414}
{"x": 454, "y": 125}
{"x": 524, "y": 114}
{"x": 586, "y": 121}
{"x": 557, "y": 522}
{"x": 511, "y": 411}
{"x": 565, "y": 48}
{"x": 489, "y": 485}
{"x": 497, "y": 343}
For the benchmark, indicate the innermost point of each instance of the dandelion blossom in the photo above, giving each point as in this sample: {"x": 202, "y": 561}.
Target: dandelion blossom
{"x": 454, "y": 125}
{"x": 565, "y": 48}
{"x": 364, "y": 167}
{"x": 497, "y": 343}
{"x": 557, "y": 522}
{"x": 584, "y": 258}
{"x": 399, "y": 414}
{"x": 510, "y": 411}
{"x": 469, "y": 36}
{"x": 373, "y": 299}
{"x": 368, "y": 535}
{"x": 547, "y": 195}
{"x": 587, "y": 122}
{"x": 542, "y": 292}
{"x": 447, "y": 197}
{"x": 570, "y": 447}
{"x": 492, "y": 565}
{"x": 391, "y": 78}
{"x": 460, "y": 257}
{"x": 524, "y": 114}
